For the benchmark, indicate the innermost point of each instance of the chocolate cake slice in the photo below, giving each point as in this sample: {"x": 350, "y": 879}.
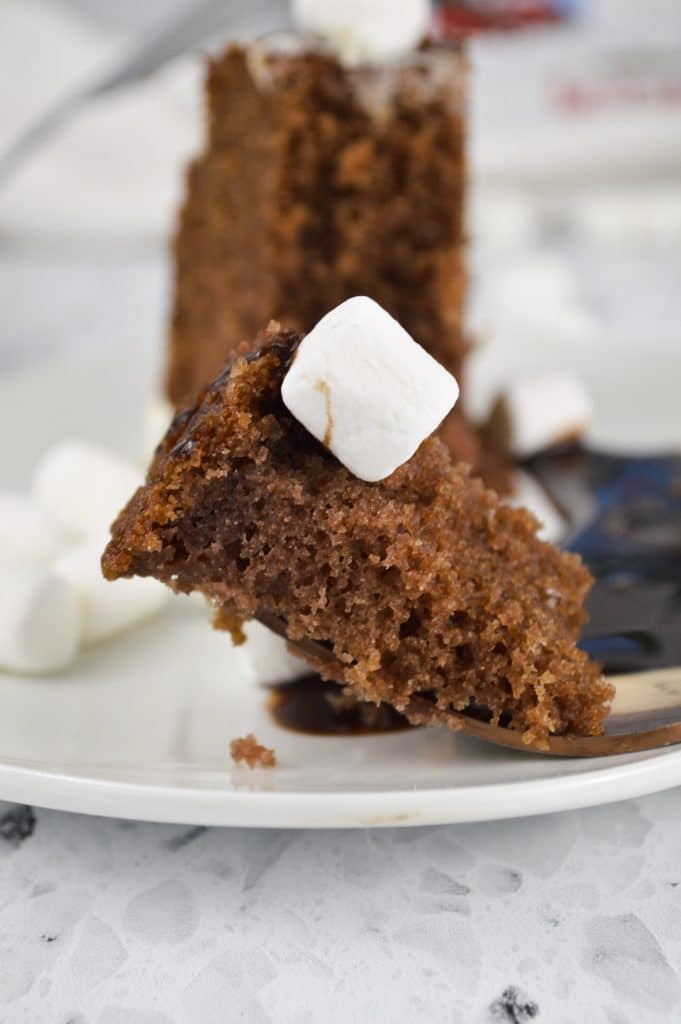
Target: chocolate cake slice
{"x": 426, "y": 591}
{"x": 319, "y": 181}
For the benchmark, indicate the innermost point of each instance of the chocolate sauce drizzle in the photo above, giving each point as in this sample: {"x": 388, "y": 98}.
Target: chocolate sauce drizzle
{"x": 284, "y": 344}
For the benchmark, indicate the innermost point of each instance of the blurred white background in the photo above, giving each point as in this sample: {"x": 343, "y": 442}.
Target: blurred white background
{"x": 575, "y": 155}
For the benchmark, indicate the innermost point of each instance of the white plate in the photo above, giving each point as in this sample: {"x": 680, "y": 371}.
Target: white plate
{"x": 141, "y": 726}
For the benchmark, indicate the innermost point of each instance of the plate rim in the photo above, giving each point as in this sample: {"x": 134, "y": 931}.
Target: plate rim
{"x": 250, "y": 808}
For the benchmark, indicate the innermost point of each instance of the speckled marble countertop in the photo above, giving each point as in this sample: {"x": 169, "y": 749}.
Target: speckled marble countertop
{"x": 564, "y": 918}
{"x": 569, "y": 917}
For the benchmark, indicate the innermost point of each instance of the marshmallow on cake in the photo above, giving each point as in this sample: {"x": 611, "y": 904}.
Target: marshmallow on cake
{"x": 361, "y": 31}
{"x": 364, "y": 388}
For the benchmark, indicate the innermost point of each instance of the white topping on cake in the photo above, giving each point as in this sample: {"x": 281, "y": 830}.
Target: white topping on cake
{"x": 379, "y": 87}
{"x": 264, "y": 52}
{"x": 364, "y": 388}
{"x": 365, "y": 30}
{"x": 40, "y": 620}
{"x": 537, "y": 412}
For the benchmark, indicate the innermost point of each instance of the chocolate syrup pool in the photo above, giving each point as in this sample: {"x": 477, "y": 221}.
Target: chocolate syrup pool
{"x": 314, "y": 705}
{"x": 624, "y": 516}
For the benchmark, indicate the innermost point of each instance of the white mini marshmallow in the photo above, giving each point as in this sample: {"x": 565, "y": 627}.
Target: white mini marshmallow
{"x": 365, "y": 30}
{"x": 270, "y": 658}
{"x": 537, "y": 412}
{"x": 528, "y": 493}
{"x": 108, "y": 607}
{"x": 27, "y": 534}
{"x": 363, "y": 387}
{"x": 84, "y": 486}
{"x": 40, "y": 620}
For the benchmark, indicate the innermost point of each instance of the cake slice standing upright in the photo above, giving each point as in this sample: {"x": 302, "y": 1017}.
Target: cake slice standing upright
{"x": 319, "y": 180}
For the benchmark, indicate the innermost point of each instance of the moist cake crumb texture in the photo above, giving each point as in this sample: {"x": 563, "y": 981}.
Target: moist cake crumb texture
{"x": 247, "y": 750}
{"x": 304, "y": 197}
{"x": 319, "y": 182}
{"x": 430, "y": 593}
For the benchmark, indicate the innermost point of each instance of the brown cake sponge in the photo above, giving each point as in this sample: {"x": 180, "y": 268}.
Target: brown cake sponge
{"x": 429, "y": 593}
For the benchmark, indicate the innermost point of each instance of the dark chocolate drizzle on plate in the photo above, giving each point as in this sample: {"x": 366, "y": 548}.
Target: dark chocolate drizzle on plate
{"x": 625, "y": 518}
{"x": 317, "y": 707}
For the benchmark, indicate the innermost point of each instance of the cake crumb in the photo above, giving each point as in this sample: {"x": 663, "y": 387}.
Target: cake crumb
{"x": 231, "y": 624}
{"x": 247, "y": 749}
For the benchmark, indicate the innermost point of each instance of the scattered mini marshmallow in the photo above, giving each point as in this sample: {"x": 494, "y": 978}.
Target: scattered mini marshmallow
{"x": 365, "y": 30}
{"x": 157, "y": 418}
{"x": 108, "y": 607}
{"x": 540, "y": 411}
{"x": 528, "y": 493}
{"x": 270, "y": 658}
{"x": 83, "y": 486}
{"x": 27, "y": 534}
{"x": 364, "y": 388}
{"x": 40, "y": 620}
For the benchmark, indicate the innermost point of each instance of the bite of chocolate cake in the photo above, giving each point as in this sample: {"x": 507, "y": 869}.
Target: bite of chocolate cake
{"x": 425, "y": 590}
